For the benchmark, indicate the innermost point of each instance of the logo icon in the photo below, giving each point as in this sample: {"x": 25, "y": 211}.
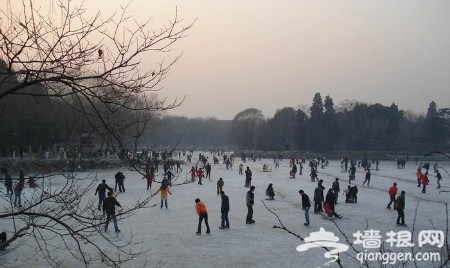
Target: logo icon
{"x": 324, "y": 239}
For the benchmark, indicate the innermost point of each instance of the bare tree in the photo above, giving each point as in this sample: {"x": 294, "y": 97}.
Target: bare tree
{"x": 59, "y": 217}
{"x": 92, "y": 65}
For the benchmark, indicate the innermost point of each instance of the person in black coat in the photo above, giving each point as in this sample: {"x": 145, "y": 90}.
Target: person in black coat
{"x": 318, "y": 197}
{"x": 248, "y": 177}
{"x": 250, "y": 200}
{"x": 270, "y": 192}
{"x": 120, "y": 178}
{"x": 330, "y": 198}
{"x": 101, "y": 190}
{"x": 306, "y": 205}
{"x": 224, "y": 209}
{"x": 109, "y": 208}
{"x": 8, "y": 183}
{"x": 400, "y": 205}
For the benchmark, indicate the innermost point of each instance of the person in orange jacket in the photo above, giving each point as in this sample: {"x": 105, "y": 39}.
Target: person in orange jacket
{"x": 164, "y": 189}
{"x": 419, "y": 176}
{"x": 202, "y": 214}
{"x": 392, "y": 193}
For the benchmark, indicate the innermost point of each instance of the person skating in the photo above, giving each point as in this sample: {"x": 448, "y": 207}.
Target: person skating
{"x": 164, "y": 190}
{"x": 202, "y": 215}
{"x": 318, "y": 197}
{"x": 193, "y": 172}
{"x": 178, "y": 166}
{"x": 200, "y": 176}
{"x": 439, "y": 178}
{"x": 150, "y": 177}
{"x": 208, "y": 170}
{"x": 101, "y": 190}
{"x": 120, "y": 178}
{"x": 419, "y": 176}
{"x": 330, "y": 198}
{"x": 250, "y": 200}
{"x": 224, "y": 209}
{"x": 294, "y": 169}
{"x": 367, "y": 178}
{"x": 400, "y": 205}
{"x": 306, "y": 205}
{"x": 8, "y": 183}
{"x": 169, "y": 177}
{"x": 109, "y": 208}
{"x": 220, "y": 184}
{"x": 18, "y": 188}
{"x": 336, "y": 189}
{"x": 424, "y": 181}
{"x": 248, "y": 177}
{"x": 392, "y": 193}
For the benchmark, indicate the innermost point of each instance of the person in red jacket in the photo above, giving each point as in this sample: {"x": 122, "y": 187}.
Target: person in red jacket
{"x": 150, "y": 178}
{"x": 200, "y": 176}
{"x": 392, "y": 193}
{"x": 424, "y": 180}
{"x": 193, "y": 172}
{"x": 202, "y": 214}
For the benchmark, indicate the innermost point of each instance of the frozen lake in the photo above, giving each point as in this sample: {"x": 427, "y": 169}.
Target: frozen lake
{"x": 170, "y": 234}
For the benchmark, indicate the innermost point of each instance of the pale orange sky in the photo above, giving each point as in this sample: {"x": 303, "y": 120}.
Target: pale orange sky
{"x": 272, "y": 54}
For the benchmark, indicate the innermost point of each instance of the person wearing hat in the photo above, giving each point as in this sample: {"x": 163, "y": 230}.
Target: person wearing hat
{"x": 250, "y": 201}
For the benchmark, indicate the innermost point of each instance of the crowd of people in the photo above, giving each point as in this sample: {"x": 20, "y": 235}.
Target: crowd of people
{"x": 324, "y": 204}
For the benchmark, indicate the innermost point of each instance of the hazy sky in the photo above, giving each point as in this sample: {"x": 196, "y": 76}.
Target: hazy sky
{"x": 272, "y": 54}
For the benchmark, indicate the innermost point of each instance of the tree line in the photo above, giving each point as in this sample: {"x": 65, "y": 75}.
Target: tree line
{"x": 351, "y": 126}
{"x": 36, "y": 123}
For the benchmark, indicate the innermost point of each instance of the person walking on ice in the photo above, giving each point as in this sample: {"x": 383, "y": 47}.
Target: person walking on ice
{"x": 400, "y": 205}
{"x": 439, "y": 178}
{"x": 202, "y": 215}
{"x": 224, "y": 209}
{"x": 306, "y": 205}
{"x": 392, "y": 193}
{"x": 250, "y": 200}
{"x": 18, "y": 192}
{"x": 101, "y": 190}
{"x": 150, "y": 177}
{"x": 220, "y": 184}
{"x": 109, "y": 207}
{"x": 164, "y": 190}
{"x": 367, "y": 178}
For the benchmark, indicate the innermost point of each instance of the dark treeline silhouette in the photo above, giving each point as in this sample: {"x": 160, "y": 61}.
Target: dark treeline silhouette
{"x": 40, "y": 123}
{"x": 352, "y": 126}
